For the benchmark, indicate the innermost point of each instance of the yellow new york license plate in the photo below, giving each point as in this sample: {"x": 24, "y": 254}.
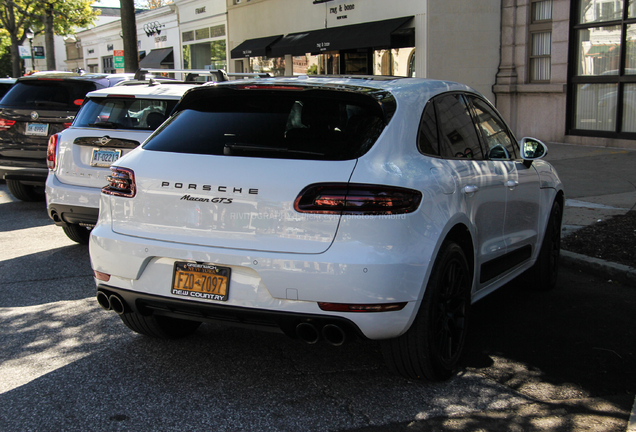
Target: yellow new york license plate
{"x": 202, "y": 281}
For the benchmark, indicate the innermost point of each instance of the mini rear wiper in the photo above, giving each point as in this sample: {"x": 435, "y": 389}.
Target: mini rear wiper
{"x": 104, "y": 124}
{"x": 255, "y": 148}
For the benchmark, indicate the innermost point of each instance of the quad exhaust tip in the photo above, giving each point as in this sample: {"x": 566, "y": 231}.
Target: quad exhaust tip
{"x": 331, "y": 333}
{"x": 111, "y": 302}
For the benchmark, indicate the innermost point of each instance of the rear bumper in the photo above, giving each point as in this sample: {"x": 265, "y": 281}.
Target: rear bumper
{"x": 68, "y": 204}
{"x": 259, "y": 319}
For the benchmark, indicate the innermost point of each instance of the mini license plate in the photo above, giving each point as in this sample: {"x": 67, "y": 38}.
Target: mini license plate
{"x": 37, "y": 129}
{"x": 203, "y": 281}
{"x": 104, "y": 157}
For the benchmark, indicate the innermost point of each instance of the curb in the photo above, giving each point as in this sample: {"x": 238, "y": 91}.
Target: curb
{"x": 600, "y": 268}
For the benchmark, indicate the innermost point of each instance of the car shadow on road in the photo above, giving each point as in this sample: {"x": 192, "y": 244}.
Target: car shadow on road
{"x": 17, "y": 215}
{"x": 577, "y": 341}
{"x": 44, "y": 277}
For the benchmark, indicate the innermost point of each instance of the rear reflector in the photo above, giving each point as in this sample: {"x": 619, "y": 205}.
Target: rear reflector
{"x": 6, "y": 124}
{"x": 342, "y": 307}
{"x": 101, "y": 276}
{"x": 120, "y": 183}
{"x": 360, "y": 199}
{"x": 51, "y": 151}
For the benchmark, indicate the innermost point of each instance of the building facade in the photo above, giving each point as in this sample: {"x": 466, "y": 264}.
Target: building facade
{"x": 568, "y": 70}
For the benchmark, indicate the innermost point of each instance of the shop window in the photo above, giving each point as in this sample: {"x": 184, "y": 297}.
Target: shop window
{"x": 203, "y": 33}
{"x": 540, "y": 39}
{"x": 207, "y": 55}
{"x": 108, "y": 65}
{"x": 603, "y": 96}
{"x": 187, "y": 36}
{"x": 217, "y": 31}
{"x": 275, "y": 66}
{"x": 395, "y": 62}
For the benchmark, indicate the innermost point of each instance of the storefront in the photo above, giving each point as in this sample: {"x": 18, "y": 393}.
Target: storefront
{"x": 158, "y": 36}
{"x": 367, "y": 37}
{"x": 203, "y": 29}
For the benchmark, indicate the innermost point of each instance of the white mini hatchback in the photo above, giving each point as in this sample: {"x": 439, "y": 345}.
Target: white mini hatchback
{"x": 327, "y": 208}
{"x": 110, "y": 123}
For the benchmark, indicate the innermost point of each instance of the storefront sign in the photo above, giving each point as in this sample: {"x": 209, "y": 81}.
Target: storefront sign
{"x": 200, "y": 10}
{"x": 109, "y": 47}
{"x": 118, "y": 59}
{"x": 323, "y": 46}
{"x": 90, "y": 51}
{"x": 341, "y": 10}
{"x": 38, "y": 52}
{"x": 24, "y": 52}
{"x": 163, "y": 38}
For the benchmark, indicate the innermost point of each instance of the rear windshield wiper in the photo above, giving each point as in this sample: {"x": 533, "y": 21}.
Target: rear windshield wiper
{"x": 255, "y": 148}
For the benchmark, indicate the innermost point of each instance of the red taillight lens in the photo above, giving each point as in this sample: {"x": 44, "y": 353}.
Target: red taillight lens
{"x": 6, "y": 124}
{"x": 120, "y": 183}
{"x": 67, "y": 125}
{"x": 101, "y": 276}
{"x": 361, "y": 199}
{"x": 78, "y": 102}
{"x": 51, "y": 151}
{"x": 342, "y": 307}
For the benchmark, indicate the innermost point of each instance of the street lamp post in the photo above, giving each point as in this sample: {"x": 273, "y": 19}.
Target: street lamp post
{"x": 29, "y": 35}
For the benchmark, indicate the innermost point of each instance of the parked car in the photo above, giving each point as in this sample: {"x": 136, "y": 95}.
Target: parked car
{"x": 111, "y": 123}
{"x": 35, "y": 108}
{"x": 327, "y": 208}
{"x": 5, "y": 85}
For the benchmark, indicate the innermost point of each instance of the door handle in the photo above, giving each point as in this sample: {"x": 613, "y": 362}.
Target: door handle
{"x": 470, "y": 189}
{"x": 512, "y": 184}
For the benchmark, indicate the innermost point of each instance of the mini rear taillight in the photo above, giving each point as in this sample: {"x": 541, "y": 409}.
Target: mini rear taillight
{"x": 51, "y": 151}
{"x": 67, "y": 125}
{"x": 357, "y": 199}
{"x": 121, "y": 183}
{"x": 6, "y": 124}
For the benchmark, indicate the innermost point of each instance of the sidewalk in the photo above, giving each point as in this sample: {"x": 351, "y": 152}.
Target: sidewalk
{"x": 599, "y": 183}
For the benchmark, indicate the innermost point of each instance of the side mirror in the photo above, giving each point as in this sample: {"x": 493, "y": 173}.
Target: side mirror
{"x": 531, "y": 149}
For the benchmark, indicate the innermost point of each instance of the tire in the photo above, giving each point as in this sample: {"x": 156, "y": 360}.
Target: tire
{"x": 77, "y": 233}
{"x": 25, "y": 192}
{"x": 159, "y": 327}
{"x": 432, "y": 347}
{"x": 542, "y": 276}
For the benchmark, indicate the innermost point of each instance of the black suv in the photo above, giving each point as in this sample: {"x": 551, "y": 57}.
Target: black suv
{"x": 35, "y": 108}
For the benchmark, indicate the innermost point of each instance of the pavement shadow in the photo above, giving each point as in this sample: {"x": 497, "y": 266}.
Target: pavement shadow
{"x": 18, "y": 215}
{"x": 44, "y": 277}
{"x": 579, "y": 340}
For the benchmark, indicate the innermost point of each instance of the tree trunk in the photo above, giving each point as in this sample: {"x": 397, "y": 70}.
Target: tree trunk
{"x": 49, "y": 45}
{"x": 129, "y": 32}
{"x": 15, "y": 57}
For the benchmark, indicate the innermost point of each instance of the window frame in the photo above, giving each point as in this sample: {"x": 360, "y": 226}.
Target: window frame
{"x": 621, "y": 79}
{"x": 540, "y": 26}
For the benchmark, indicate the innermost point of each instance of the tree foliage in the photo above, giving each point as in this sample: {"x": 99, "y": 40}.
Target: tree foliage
{"x": 152, "y": 4}
{"x": 60, "y": 17}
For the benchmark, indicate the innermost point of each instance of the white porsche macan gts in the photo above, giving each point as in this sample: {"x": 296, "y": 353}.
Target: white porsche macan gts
{"x": 327, "y": 208}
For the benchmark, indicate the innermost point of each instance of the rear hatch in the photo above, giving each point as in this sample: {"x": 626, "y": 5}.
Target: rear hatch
{"x": 106, "y": 128}
{"x": 227, "y": 169}
{"x": 35, "y": 109}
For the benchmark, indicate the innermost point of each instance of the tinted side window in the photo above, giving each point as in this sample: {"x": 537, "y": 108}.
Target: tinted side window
{"x": 499, "y": 144}
{"x": 427, "y": 136}
{"x": 48, "y": 94}
{"x": 458, "y": 135}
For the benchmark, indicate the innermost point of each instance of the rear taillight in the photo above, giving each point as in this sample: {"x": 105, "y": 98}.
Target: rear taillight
{"x": 51, "y": 151}
{"x": 360, "y": 199}
{"x": 121, "y": 183}
{"x": 67, "y": 125}
{"x": 6, "y": 124}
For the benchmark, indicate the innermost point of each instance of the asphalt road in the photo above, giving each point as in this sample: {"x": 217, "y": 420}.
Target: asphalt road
{"x": 564, "y": 360}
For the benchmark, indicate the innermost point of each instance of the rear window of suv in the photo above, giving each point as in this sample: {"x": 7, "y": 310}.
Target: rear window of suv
{"x": 49, "y": 94}
{"x": 124, "y": 113}
{"x": 287, "y": 124}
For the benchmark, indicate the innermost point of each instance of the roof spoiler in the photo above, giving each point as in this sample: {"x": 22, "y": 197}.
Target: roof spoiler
{"x": 216, "y": 74}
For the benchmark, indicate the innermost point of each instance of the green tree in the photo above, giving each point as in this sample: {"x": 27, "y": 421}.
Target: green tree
{"x": 50, "y": 17}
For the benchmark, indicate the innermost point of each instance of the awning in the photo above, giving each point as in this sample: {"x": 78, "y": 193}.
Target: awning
{"x": 375, "y": 34}
{"x": 258, "y": 47}
{"x": 157, "y": 58}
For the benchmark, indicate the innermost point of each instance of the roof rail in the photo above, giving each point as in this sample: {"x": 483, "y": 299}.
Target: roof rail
{"x": 217, "y": 74}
